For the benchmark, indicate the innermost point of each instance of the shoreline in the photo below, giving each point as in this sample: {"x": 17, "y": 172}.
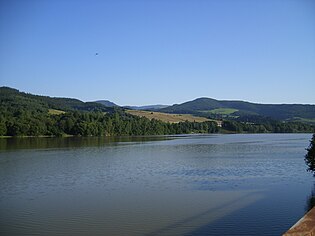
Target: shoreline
{"x": 69, "y": 135}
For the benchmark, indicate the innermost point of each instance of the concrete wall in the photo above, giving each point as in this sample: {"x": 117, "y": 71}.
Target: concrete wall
{"x": 305, "y": 226}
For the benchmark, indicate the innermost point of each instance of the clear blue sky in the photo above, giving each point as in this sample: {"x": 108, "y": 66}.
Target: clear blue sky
{"x": 160, "y": 51}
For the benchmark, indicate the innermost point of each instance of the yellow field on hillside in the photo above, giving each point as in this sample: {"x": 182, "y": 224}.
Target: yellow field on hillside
{"x": 55, "y": 112}
{"x": 165, "y": 117}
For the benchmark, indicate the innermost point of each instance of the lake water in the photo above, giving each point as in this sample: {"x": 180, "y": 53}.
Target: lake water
{"x": 240, "y": 184}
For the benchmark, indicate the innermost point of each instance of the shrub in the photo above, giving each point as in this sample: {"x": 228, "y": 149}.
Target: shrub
{"x": 310, "y": 156}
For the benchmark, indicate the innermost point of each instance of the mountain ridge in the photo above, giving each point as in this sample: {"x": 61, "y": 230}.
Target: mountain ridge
{"x": 147, "y": 107}
{"x": 30, "y": 101}
{"x": 206, "y": 106}
{"x": 107, "y": 103}
{"x": 203, "y": 106}
{"x": 25, "y": 114}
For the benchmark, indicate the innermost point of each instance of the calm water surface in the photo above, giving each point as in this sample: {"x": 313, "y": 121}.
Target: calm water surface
{"x": 242, "y": 184}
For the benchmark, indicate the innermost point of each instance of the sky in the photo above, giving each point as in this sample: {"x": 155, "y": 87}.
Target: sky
{"x": 140, "y": 52}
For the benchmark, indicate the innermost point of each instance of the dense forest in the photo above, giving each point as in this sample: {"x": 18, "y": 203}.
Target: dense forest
{"x": 23, "y": 114}
{"x": 96, "y": 124}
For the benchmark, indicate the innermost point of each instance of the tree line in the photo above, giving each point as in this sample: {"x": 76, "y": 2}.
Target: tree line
{"x": 270, "y": 126}
{"x": 119, "y": 123}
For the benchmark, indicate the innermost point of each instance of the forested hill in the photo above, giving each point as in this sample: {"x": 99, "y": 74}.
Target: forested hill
{"x": 23, "y": 114}
{"x": 13, "y": 98}
{"x": 208, "y": 106}
{"x": 107, "y": 103}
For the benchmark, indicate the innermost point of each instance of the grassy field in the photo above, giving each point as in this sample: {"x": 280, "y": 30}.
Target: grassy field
{"x": 171, "y": 118}
{"x": 222, "y": 111}
{"x": 55, "y": 112}
{"x": 304, "y": 120}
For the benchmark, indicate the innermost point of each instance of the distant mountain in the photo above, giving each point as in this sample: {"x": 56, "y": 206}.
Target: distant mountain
{"x": 234, "y": 109}
{"x": 148, "y": 107}
{"x": 13, "y": 97}
{"x": 107, "y": 103}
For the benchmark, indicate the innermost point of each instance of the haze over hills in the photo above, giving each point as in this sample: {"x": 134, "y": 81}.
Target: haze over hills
{"x": 108, "y": 103}
{"x": 148, "y": 107}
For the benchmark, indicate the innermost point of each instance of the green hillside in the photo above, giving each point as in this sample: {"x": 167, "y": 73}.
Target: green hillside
{"x": 106, "y": 103}
{"x": 223, "y": 111}
{"x": 285, "y": 112}
{"x": 15, "y": 99}
{"x": 200, "y": 104}
{"x": 23, "y": 114}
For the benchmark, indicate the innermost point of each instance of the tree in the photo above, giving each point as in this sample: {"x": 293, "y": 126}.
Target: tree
{"x": 310, "y": 156}
{"x": 3, "y": 128}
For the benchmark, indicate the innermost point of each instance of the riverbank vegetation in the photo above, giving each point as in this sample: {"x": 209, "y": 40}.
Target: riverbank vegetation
{"x": 95, "y": 123}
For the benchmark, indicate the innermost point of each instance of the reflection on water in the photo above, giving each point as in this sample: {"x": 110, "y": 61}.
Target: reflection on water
{"x": 179, "y": 185}
{"x": 223, "y": 207}
{"x": 67, "y": 142}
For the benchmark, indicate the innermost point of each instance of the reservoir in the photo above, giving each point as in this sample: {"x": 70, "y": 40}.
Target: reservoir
{"x": 231, "y": 184}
